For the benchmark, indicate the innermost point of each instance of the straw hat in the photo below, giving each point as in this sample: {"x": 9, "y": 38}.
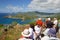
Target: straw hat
{"x": 26, "y": 33}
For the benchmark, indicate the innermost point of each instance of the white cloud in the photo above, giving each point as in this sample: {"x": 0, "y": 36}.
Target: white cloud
{"x": 44, "y": 5}
{"x": 11, "y": 9}
{"x": 14, "y": 8}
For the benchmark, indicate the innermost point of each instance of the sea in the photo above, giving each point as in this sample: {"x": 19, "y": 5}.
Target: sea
{"x": 4, "y": 20}
{"x": 10, "y": 20}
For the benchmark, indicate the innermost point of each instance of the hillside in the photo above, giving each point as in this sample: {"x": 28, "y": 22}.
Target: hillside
{"x": 32, "y": 15}
{"x": 35, "y": 14}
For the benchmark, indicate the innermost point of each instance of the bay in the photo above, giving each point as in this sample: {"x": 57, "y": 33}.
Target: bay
{"x": 10, "y": 20}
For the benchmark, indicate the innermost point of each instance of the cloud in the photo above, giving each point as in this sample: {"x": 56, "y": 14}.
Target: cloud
{"x": 14, "y": 8}
{"x": 45, "y": 5}
{"x": 10, "y": 9}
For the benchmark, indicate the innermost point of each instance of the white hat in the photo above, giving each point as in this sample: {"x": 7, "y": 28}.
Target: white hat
{"x": 49, "y": 19}
{"x": 39, "y": 19}
{"x": 26, "y": 33}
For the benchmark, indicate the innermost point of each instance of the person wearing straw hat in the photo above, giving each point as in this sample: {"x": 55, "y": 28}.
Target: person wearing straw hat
{"x": 26, "y": 35}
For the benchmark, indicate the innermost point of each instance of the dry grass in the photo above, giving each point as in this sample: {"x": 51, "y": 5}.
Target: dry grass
{"x": 14, "y": 33}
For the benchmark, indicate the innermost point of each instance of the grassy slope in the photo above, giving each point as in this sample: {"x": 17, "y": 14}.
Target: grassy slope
{"x": 12, "y": 33}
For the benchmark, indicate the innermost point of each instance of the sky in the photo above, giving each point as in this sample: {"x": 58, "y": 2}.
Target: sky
{"x": 7, "y": 6}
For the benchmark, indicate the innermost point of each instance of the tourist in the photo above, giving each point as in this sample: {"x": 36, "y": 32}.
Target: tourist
{"x": 31, "y": 30}
{"x": 49, "y": 23}
{"x": 56, "y": 24}
{"x": 52, "y": 31}
{"x": 39, "y": 22}
{"x": 26, "y": 35}
{"x": 37, "y": 32}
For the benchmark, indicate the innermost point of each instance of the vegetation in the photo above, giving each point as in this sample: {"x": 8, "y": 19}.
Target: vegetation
{"x": 30, "y": 15}
{"x": 1, "y": 26}
{"x": 25, "y": 16}
{"x": 1, "y": 29}
{"x": 14, "y": 33}
{"x": 58, "y": 15}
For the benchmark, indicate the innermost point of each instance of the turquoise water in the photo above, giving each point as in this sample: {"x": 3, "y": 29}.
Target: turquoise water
{"x": 10, "y": 20}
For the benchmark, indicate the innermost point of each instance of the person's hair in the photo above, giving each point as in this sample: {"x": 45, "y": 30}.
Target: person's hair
{"x": 32, "y": 26}
{"x": 42, "y": 35}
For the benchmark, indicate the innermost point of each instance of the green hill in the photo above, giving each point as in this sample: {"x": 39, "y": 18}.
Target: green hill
{"x": 32, "y": 15}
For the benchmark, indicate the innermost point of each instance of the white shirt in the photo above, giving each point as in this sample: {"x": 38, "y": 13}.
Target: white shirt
{"x": 31, "y": 32}
{"x": 37, "y": 29}
{"x": 46, "y": 31}
{"x": 45, "y": 38}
